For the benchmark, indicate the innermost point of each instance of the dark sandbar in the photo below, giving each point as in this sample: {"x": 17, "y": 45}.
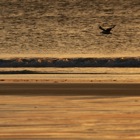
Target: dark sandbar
{"x": 57, "y": 89}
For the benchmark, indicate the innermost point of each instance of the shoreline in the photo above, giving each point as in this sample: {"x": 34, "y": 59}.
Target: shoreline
{"x": 55, "y": 81}
{"x": 70, "y": 78}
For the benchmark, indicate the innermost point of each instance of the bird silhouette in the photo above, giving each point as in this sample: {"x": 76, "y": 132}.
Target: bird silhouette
{"x": 106, "y": 31}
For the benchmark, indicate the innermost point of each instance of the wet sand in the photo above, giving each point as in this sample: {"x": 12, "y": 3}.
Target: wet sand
{"x": 38, "y": 111}
{"x": 70, "y": 89}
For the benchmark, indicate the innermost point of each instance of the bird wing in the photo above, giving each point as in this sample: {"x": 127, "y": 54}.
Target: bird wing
{"x": 109, "y": 29}
{"x": 101, "y": 28}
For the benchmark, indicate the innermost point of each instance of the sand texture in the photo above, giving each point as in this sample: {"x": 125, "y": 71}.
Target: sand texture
{"x": 69, "y": 111}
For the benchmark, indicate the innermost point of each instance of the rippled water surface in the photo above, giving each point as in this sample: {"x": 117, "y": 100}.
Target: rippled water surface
{"x": 69, "y": 27}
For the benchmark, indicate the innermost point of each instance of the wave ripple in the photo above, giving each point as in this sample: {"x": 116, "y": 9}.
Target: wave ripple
{"x": 71, "y": 62}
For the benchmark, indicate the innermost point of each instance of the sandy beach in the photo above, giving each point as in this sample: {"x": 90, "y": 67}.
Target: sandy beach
{"x": 38, "y": 111}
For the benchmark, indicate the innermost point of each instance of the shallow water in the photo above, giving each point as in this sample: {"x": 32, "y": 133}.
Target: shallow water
{"x": 74, "y": 70}
{"x": 68, "y": 75}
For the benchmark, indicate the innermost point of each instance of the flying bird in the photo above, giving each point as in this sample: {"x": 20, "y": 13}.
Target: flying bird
{"x": 106, "y": 31}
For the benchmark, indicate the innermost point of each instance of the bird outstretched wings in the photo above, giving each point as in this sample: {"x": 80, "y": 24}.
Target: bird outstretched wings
{"x": 107, "y": 30}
